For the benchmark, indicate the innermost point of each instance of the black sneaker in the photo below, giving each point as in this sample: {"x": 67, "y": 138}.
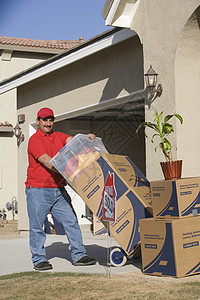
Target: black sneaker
{"x": 85, "y": 261}
{"x": 43, "y": 266}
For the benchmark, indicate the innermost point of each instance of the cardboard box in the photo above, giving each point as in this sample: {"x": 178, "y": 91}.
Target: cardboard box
{"x": 98, "y": 227}
{"x": 129, "y": 210}
{"x": 176, "y": 198}
{"x": 133, "y": 199}
{"x": 170, "y": 247}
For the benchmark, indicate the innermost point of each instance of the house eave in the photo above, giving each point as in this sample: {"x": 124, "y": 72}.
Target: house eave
{"x": 61, "y": 60}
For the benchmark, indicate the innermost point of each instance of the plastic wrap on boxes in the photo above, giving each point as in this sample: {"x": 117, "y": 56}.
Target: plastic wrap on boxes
{"x": 75, "y": 156}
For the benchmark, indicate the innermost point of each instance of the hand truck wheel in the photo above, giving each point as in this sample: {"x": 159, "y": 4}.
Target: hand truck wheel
{"x": 118, "y": 257}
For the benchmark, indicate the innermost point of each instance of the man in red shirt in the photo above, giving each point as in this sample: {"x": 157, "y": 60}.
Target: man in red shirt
{"x": 45, "y": 192}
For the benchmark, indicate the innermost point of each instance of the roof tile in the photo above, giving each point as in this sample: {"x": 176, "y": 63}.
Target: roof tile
{"x": 54, "y": 44}
{"x": 5, "y": 124}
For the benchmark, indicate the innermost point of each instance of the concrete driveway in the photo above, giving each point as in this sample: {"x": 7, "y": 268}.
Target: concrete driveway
{"x": 15, "y": 255}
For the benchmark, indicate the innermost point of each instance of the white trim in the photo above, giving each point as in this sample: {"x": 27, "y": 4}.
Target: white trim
{"x": 112, "y": 12}
{"x": 106, "y": 42}
{"x": 124, "y": 19}
{"x": 32, "y": 129}
{"x": 132, "y": 97}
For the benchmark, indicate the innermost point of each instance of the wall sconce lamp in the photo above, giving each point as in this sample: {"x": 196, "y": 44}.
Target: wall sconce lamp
{"x": 151, "y": 81}
{"x": 19, "y": 135}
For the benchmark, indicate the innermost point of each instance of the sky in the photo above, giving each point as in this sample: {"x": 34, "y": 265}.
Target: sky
{"x": 52, "y": 19}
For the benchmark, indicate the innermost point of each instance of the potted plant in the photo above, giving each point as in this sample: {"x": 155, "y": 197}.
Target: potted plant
{"x": 171, "y": 169}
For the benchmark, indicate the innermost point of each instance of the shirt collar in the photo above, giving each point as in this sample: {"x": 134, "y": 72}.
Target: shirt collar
{"x": 44, "y": 134}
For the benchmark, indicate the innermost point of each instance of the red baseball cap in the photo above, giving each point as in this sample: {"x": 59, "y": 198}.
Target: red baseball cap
{"x": 45, "y": 112}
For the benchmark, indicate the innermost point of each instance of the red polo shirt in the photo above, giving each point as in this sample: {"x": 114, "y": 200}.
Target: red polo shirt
{"x": 37, "y": 174}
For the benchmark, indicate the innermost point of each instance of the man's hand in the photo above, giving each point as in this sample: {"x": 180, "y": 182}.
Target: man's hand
{"x": 69, "y": 139}
{"x": 92, "y": 136}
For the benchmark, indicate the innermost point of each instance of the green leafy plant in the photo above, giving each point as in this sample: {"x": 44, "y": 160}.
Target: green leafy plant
{"x": 162, "y": 129}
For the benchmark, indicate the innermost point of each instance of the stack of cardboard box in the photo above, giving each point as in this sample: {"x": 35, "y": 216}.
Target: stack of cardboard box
{"x": 87, "y": 168}
{"x": 170, "y": 241}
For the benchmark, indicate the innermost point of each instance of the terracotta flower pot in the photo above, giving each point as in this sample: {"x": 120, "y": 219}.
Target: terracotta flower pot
{"x": 172, "y": 170}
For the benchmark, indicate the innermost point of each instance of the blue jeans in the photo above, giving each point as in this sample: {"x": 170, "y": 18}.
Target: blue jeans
{"x": 39, "y": 202}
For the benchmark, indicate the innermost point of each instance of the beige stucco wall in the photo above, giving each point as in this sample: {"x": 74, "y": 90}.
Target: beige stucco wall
{"x": 174, "y": 55}
{"x": 8, "y": 153}
{"x": 19, "y": 61}
{"x": 94, "y": 79}
{"x": 187, "y": 91}
{"x": 97, "y": 78}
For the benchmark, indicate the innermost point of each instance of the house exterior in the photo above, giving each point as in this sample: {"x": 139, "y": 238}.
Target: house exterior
{"x": 98, "y": 86}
